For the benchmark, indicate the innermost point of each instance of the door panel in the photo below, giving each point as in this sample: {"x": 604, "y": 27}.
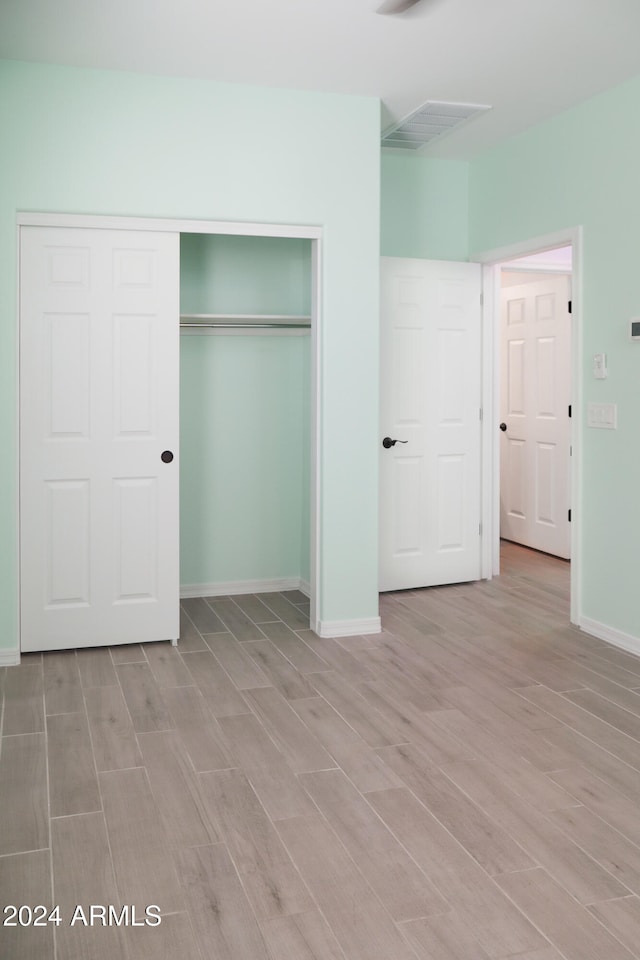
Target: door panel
{"x": 515, "y": 378}
{"x": 67, "y": 375}
{"x": 513, "y": 494}
{"x": 430, "y": 398}
{"x": 135, "y": 527}
{"x": 545, "y": 471}
{"x": 99, "y": 403}
{"x": 66, "y": 542}
{"x": 536, "y": 393}
{"x": 408, "y": 482}
{"x": 134, "y": 378}
{"x": 450, "y": 509}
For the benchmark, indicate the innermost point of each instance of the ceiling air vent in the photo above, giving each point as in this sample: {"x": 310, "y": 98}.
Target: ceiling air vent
{"x": 431, "y": 120}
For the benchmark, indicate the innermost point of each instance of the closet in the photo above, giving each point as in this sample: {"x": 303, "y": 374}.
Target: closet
{"x": 245, "y": 413}
{"x": 153, "y": 352}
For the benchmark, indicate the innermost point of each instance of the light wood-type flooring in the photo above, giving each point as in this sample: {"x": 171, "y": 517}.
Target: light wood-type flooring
{"x": 463, "y": 786}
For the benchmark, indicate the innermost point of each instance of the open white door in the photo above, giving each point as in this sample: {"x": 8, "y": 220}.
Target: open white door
{"x": 99, "y": 362}
{"x": 430, "y": 393}
{"x": 535, "y": 397}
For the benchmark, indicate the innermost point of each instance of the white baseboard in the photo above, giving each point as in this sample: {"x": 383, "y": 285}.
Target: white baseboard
{"x": 305, "y": 587}
{"x": 10, "y": 657}
{"x": 616, "y": 637}
{"x": 242, "y": 586}
{"x": 348, "y": 628}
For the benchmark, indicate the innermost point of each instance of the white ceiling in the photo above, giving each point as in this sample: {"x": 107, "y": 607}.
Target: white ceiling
{"x": 529, "y": 59}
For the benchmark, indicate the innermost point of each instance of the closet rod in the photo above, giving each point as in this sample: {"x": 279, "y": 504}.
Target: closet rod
{"x": 225, "y": 325}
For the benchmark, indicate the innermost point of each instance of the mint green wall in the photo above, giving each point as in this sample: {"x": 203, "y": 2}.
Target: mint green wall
{"x": 228, "y": 274}
{"x": 424, "y": 207}
{"x": 244, "y": 414}
{"x": 242, "y": 435}
{"x": 101, "y": 142}
{"x": 581, "y": 168}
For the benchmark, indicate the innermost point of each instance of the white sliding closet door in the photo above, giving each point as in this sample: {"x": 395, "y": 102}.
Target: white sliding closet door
{"x": 99, "y": 361}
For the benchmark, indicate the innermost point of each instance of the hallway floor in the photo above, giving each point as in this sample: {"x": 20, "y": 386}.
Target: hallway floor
{"x": 462, "y": 786}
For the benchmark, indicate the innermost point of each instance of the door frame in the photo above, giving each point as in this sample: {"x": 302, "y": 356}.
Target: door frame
{"x": 491, "y": 260}
{"x": 235, "y": 228}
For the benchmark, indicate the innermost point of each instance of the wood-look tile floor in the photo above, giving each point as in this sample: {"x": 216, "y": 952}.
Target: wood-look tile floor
{"x": 463, "y": 786}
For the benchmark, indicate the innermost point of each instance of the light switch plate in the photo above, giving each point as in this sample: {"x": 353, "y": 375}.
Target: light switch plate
{"x": 600, "y": 371}
{"x": 604, "y": 416}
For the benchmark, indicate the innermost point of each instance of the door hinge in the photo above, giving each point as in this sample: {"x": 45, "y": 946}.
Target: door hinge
{"x": 569, "y": 517}
{"x": 480, "y": 414}
{"x": 482, "y": 299}
{"x": 570, "y": 306}
{"x": 480, "y": 529}
{"x": 571, "y": 450}
{"x": 569, "y": 409}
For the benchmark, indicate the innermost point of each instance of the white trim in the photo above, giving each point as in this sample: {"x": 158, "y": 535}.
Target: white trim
{"x": 349, "y": 628}
{"x": 231, "y": 587}
{"x": 529, "y": 268}
{"x": 315, "y": 459}
{"x": 18, "y": 553}
{"x": 491, "y": 260}
{"x": 610, "y": 635}
{"x": 305, "y": 587}
{"x": 97, "y": 221}
{"x": 487, "y": 466}
{"x": 523, "y": 248}
{"x": 10, "y": 657}
{"x": 235, "y": 228}
{"x": 491, "y": 399}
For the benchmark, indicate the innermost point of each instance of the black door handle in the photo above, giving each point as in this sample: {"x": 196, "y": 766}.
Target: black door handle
{"x": 388, "y": 442}
{"x": 166, "y": 456}
{"x": 503, "y": 427}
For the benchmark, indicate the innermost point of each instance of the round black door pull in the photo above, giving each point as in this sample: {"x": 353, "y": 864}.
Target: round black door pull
{"x": 503, "y": 427}
{"x": 388, "y": 442}
{"x": 166, "y": 456}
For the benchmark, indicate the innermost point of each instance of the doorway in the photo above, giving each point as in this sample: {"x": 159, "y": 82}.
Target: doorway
{"x": 138, "y": 275}
{"x": 535, "y": 252}
{"x": 244, "y": 414}
{"x": 535, "y": 401}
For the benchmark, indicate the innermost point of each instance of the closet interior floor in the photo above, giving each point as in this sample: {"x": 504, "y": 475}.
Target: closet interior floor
{"x": 462, "y": 786}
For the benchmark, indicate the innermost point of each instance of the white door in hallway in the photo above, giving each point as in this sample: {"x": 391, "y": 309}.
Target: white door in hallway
{"x": 99, "y": 352}
{"x": 535, "y": 397}
{"x": 430, "y": 398}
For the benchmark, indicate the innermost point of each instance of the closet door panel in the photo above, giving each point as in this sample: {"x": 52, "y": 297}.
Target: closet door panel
{"x": 136, "y": 547}
{"x": 135, "y": 386}
{"x": 66, "y": 367}
{"x": 67, "y": 542}
{"x": 98, "y": 406}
